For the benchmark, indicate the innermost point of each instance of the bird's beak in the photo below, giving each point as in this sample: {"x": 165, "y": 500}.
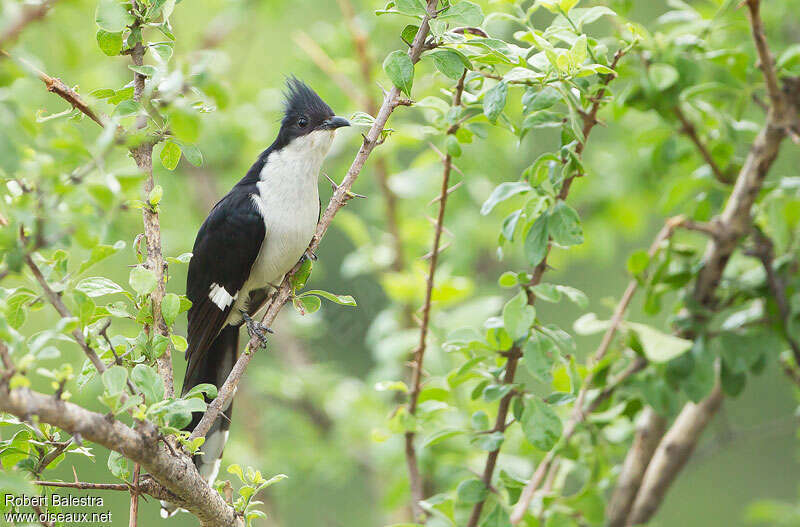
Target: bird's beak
{"x": 334, "y": 122}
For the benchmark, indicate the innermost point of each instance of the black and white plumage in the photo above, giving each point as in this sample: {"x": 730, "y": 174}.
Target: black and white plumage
{"x": 250, "y": 240}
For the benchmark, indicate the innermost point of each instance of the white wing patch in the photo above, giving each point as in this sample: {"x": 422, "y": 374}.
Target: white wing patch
{"x": 221, "y": 298}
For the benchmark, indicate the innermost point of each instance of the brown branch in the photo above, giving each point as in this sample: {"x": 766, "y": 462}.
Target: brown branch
{"x": 133, "y": 518}
{"x": 590, "y": 121}
{"x": 689, "y": 129}
{"x": 57, "y": 86}
{"x": 143, "y": 156}
{"x": 734, "y": 222}
{"x": 340, "y": 196}
{"x": 30, "y": 13}
{"x": 364, "y": 99}
{"x": 650, "y": 428}
{"x": 55, "y": 299}
{"x": 765, "y": 252}
{"x": 80, "y": 485}
{"x": 672, "y": 454}
{"x": 172, "y": 477}
{"x": 416, "y": 366}
{"x": 765, "y": 62}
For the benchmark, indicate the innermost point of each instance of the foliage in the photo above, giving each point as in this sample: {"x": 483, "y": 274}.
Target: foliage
{"x": 574, "y": 127}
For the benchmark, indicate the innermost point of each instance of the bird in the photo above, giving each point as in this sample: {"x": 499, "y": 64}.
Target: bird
{"x": 251, "y": 238}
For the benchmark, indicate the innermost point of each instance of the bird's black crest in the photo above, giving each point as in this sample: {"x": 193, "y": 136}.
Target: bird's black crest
{"x": 302, "y": 101}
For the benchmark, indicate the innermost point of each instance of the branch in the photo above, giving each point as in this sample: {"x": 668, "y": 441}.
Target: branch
{"x": 364, "y": 99}
{"x": 340, "y": 196}
{"x": 57, "y": 86}
{"x": 55, "y": 299}
{"x": 143, "y": 156}
{"x": 416, "y": 368}
{"x": 30, "y": 13}
{"x": 765, "y": 252}
{"x": 689, "y": 129}
{"x": 734, "y": 223}
{"x": 765, "y": 62}
{"x": 590, "y": 120}
{"x": 173, "y": 477}
{"x": 672, "y": 454}
{"x": 579, "y": 415}
{"x": 650, "y": 428}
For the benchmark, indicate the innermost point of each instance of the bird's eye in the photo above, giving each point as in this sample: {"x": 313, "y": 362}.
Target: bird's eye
{"x": 302, "y": 122}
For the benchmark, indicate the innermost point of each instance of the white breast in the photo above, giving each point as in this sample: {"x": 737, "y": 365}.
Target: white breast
{"x": 288, "y": 198}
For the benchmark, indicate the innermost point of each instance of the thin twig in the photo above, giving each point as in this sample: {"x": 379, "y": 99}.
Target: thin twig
{"x": 765, "y": 62}
{"x": 83, "y": 485}
{"x": 689, "y": 129}
{"x": 55, "y": 299}
{"x": 57, "y": 86}
{"x": 765, "y": 252}
{"x": 590, "y": 121}
{"x": 340, "y": 196}
{"x": 143, "y": 156}
{"x": 134, "y": 511}
{"x": 419, "y": 354}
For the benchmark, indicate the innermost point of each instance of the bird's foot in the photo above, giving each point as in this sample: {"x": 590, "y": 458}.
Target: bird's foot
{"x": 256, "y": 329}
{"x": 309, "y": 255}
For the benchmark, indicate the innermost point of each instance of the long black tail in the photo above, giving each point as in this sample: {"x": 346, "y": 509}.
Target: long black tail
{"x": 211, "y": 367}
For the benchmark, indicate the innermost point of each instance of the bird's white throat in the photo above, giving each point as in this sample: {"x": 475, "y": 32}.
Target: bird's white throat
{"x": 288, "y": 199}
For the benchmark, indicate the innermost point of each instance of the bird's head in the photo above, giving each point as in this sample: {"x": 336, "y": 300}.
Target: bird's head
{"x": 308, "y": 123}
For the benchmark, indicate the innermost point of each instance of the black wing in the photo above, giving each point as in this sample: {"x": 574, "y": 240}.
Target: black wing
{"x": 224, "y": 252}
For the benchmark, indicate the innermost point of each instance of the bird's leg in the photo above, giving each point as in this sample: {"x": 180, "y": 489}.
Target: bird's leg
{"x": 309, "y": 255}
{"x": 256, "y": 329}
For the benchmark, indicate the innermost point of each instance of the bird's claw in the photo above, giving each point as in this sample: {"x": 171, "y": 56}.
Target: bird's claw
{"x": 256, "y": 329}
{"x": 309, "y": 255}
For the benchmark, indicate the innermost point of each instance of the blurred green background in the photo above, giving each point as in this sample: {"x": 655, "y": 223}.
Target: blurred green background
{"x": 307, "y": 407}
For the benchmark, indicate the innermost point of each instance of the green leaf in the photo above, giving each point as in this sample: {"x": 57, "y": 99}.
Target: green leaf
{"x": 400, "y": 69}
{"x": 535, "y": 99}
{"x": 536, "y": 241}
{"x": 114, "y": 379}
{"x": 127, "y": 108}
{"x": 148, "y": 382}
{"x": 538, "y": 355}
{"x": 564, "y": 225}
{"x": 494, "y": 101}
{"x": 471, "y": 491}
{"x": 502, "y": 192}
{"x": 16, "y": 311}
{"x": 448, "y": 62}
{"x": 508, "y": 279}
{"x": 199, "y": 390}
{"x": 576, "y": 296}
{"x": 309, "y": 304}
{"x": 411, "y": 7}
{"x": 541, "y": 425}
{"x": 663, "y": 76}
{"x": 518, "y": 316}
{"x": 463, "y": 13}
{"x": 100, "y": 253}
{"x": 119, "y": 465}
{"x": 497, "y": 518}
{"x": 345, "y": 300}
{"x": 142, "y": 280}
{"x": 184, "y": 124}
{"x": 542, "y": 119}
{"x": 658, "y": 346}
{"x": 98, "y": 286}
{"x": 112, "y": 15}
{"x": 408, "y": 34}
{"x": 192, "y": 154}
{"x": 109, "y": 43}
{"x": 170, "y": 307}
{"x": 179, "y": 343}
{"x": 637, "y": 262}
{"x": 162, "y": 51}
{"x": 170, "y": 155}
{"x": 147, "y": 70}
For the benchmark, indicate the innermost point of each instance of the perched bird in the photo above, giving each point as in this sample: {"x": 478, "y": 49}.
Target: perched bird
{"x": 250, "y": 240}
